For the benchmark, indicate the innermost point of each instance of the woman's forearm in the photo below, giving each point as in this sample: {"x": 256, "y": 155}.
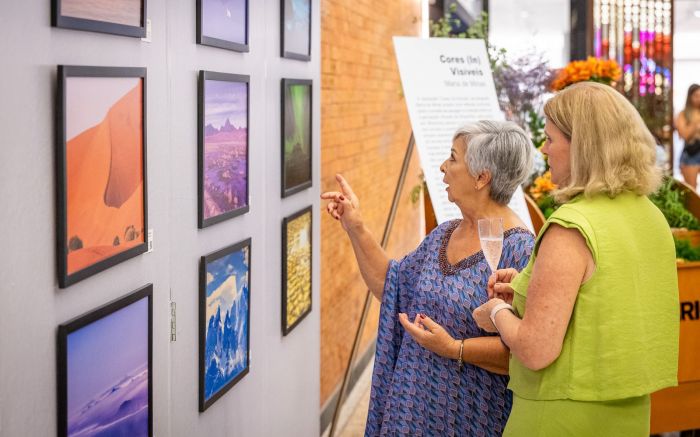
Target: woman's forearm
{"x": 488, "y": 353}
{"x": 526, "y": 345}
{"x": 371, "y": 259}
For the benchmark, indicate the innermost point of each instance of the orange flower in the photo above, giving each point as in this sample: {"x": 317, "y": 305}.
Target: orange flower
{"x": 598, "y": 70}
{"x": 542, "y": 185}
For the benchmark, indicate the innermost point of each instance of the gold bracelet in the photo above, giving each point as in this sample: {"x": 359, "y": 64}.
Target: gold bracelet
{"x": 461, "y": 348}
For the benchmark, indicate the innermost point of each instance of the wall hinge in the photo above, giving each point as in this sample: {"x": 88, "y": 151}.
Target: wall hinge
{"x": 173, "y": 322}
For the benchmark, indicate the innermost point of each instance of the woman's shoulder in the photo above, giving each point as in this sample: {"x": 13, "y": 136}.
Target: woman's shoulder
{"x": 518, "y": 235}
{"x": 682, "y": 116}
{"x": 443, "y": 228}
{"x": 518, "y": 232}
{"x": 518, "y": 244}
{"x": 435, "y": 237}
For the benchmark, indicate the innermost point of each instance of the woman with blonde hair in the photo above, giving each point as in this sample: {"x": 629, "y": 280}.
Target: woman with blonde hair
{"x": 688, "y": 124}
{"x": 593, "y": 329}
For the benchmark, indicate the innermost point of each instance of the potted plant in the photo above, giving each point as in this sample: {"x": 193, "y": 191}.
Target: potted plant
{"x": 675, "y": 408}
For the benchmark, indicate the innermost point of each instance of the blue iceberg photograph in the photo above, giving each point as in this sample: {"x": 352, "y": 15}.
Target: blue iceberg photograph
{"x": 226, "y": 318}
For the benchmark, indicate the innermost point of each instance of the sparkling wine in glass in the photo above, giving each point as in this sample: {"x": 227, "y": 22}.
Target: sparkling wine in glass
{"x": 491, "y": 238}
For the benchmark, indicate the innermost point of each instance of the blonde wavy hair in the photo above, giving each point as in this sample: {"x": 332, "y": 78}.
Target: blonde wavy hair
{"x": 612, "y": 151}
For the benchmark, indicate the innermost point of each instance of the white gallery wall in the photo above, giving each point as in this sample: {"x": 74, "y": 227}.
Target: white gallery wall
{"x": 280, "y": 395}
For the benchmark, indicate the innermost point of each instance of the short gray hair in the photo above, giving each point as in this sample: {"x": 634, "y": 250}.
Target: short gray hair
{"x": 502, "y": 148}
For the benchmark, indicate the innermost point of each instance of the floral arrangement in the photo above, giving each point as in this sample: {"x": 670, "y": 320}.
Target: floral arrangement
{"x": 542, "y": 185}
{"x": 605, "y": 71}
{"x": 541, "y": 192}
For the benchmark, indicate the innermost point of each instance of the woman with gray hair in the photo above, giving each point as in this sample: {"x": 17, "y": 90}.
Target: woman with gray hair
{"x": 442, "y": 375}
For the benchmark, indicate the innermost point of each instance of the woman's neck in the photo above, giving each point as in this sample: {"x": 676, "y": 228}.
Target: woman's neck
{"x": 470, "y": 214}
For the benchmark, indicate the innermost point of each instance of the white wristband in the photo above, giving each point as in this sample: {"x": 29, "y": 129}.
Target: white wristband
{"x": 497, "y": 308}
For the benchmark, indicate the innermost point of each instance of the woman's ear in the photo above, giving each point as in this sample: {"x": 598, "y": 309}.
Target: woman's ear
{"x": 483, "y": 179}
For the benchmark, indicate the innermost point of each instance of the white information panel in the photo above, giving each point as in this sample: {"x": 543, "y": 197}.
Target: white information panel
{"x": 447, "y": 83}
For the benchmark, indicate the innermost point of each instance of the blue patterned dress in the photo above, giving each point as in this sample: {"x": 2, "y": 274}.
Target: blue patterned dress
{"x": 417, "y": 392}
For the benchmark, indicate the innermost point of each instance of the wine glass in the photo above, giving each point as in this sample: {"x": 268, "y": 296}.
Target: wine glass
{"x": 491, "y": 238}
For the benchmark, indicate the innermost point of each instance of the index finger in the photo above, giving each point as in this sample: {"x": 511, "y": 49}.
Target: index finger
{"x": 344, "y": 185}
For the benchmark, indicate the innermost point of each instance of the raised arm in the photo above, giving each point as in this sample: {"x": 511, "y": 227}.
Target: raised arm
{"x": 344, "y": 206}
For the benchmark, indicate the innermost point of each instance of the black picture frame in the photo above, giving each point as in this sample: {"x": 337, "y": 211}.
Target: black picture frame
{"x": 289, "y": 54}
{"x": 225, "y": 77}
{"x": 65, "y": 329}
{"x": 286, "y": 329}
{"x": 64, "y": 72}
{"x": 204, "y": 261}
{"x": 222, "y": 43}
{"x": 68, "y": 22}
{"x": 289, "y": 190}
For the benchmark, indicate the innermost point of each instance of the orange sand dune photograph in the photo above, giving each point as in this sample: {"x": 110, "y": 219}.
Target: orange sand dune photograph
{"x": 104, "y": 190}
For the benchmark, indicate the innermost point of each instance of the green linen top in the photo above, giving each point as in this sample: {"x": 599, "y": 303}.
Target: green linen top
{"x": 622, "y": 339}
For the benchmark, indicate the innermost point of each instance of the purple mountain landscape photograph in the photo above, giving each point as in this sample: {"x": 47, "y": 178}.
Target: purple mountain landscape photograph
{"x": 223, "y": 147}
{"x": 106, "y": 390}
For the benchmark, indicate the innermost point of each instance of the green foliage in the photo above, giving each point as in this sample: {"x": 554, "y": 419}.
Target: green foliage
{"x": 547, "y": 205}
{"x": 685, "y": 251}
{"x": 671, "y": 202}
{"x": 535, "y": 124}
{"x": 418, "y": 189}
{"x": 442, "y": 28}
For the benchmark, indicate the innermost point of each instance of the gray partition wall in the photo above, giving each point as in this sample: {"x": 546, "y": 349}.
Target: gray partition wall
{"x": 280, "y": 395}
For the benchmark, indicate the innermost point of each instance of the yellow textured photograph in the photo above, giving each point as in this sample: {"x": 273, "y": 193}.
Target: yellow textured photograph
{"x": 296, "y": 268}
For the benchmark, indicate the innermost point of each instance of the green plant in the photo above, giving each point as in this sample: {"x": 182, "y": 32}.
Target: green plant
{"x": 535, "y": 124}
{"x": 685, "y": 251}
{"x": 418, "y": 189}
{"x": 547, "y": 205}
{"x": 671, "y": 201}
{"x": 442, "y": 28}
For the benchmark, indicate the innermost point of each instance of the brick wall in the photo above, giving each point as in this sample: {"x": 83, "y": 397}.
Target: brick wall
{"x": 364, "y": 133}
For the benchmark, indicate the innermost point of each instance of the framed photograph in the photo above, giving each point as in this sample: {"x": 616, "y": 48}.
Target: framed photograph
{"x": 296, "y": 135}
{"x": 224, "y": 321}
{"x": 223, "y": 24}
{"x": 296, "y": 268}
{"x": 223, "y": 146}
{"x": 101, "y": 169}
{"x": 105, "y": 378}
{"x": 296, "y": 29}
{"x": 118, "y": 17}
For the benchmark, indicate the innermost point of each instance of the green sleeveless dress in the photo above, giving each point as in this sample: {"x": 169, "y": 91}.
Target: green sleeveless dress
{"x": 622, "y": 340}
